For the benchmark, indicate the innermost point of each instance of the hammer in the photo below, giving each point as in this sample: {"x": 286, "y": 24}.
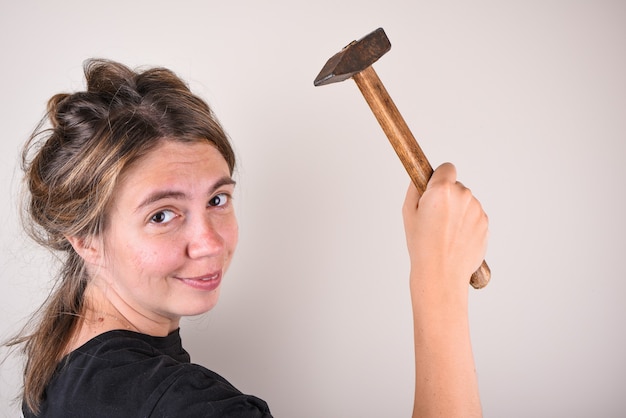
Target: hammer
{"x": 355, "y": 61}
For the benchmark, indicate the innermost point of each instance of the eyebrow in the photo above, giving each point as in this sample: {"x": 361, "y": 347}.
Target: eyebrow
{"x": 175, "y": 194}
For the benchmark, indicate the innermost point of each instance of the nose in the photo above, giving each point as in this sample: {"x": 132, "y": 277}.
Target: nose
{"x": 204, "y": 240}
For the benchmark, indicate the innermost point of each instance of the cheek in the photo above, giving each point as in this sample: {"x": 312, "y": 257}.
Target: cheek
{"x": 144, "y": 259}
{"x": 232, "y": 236}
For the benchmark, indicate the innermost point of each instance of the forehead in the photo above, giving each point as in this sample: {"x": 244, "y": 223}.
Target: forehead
{"x": 172, "y": 153}
{"x": 172, "y": 163}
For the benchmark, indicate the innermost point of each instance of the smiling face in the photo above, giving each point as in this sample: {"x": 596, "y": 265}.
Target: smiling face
{"x": 170, "y": 236}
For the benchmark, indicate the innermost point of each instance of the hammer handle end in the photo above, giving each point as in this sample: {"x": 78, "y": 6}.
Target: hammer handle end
{"x": 481, "y": 277}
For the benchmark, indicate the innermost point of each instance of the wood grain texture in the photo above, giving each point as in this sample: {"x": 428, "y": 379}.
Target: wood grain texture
{"x": 405, "y": 144}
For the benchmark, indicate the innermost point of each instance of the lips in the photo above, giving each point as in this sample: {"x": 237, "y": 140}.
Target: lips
{"x": 208, "y": 282}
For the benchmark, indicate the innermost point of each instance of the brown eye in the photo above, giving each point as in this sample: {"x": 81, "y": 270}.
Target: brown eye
{"x": 219, "y": 200}
{"x": 162, "y": 217}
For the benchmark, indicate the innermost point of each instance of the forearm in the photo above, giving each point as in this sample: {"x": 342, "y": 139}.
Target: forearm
{"x": 446, "y": 231}
{"x": 445, "y": 375}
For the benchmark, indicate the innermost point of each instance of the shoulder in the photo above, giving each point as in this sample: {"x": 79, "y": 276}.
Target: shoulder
{"x": 122, "y": 347}
{"x": 199, "y": 392}
{"x": 121, "y": 373}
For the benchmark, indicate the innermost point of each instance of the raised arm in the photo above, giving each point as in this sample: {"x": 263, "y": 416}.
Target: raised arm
{"x": 446, "y": 233}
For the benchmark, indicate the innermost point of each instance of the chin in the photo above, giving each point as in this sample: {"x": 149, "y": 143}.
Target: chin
{"x": 199, "y": 307}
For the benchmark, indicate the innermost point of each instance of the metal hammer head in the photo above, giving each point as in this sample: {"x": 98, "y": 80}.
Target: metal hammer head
{"x": 354, "y": 58}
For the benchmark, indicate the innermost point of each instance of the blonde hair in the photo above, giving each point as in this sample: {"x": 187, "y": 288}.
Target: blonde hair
{"x": 71, "y": 170}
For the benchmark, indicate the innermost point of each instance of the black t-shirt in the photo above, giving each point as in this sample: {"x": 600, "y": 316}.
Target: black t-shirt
{"x": 127, "y": 374}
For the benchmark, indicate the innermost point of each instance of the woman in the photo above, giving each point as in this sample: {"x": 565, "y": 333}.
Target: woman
{"x": 133, "y": 184}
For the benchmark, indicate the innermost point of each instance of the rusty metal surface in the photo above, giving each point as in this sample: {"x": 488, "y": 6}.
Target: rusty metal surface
{"x": 354, "y": 58}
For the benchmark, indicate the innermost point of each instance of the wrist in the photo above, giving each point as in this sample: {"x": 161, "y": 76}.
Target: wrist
{"x": 438, "y": 298}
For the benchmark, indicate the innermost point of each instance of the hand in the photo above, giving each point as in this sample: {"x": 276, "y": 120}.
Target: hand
{"x": 446, "y": 230}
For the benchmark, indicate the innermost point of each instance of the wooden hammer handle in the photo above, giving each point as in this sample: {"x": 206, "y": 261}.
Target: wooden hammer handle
{"x": 404, "y": 143}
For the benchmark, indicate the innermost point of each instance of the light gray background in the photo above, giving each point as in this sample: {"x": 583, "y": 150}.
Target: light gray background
{"x": 528, "y": 98}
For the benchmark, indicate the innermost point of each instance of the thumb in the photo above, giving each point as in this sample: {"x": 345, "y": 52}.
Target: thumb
{"x": 445, "y": 173}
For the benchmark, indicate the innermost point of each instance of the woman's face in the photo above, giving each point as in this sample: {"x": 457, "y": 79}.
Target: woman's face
{"x": 171, "y": 234}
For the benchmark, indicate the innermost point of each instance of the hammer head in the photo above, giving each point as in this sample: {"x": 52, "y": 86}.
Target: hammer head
{"x": 354, "y": 58}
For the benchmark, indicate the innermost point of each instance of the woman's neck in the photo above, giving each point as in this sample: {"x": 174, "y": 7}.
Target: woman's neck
{"x": 96, "y": 318}
{"x": 100, "y": 314}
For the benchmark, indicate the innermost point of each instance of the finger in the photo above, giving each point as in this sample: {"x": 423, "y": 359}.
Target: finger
{"x": 412, "y": 197}
{"x": 445, "y": 173}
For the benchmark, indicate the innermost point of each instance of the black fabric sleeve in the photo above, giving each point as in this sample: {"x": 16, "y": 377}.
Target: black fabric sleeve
{"x": 198, "y": 392}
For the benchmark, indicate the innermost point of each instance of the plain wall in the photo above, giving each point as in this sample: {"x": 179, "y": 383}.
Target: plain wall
{"x": 527, "y": 98}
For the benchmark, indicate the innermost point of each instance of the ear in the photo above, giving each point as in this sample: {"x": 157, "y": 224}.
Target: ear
{"x": 88, "y": 248}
